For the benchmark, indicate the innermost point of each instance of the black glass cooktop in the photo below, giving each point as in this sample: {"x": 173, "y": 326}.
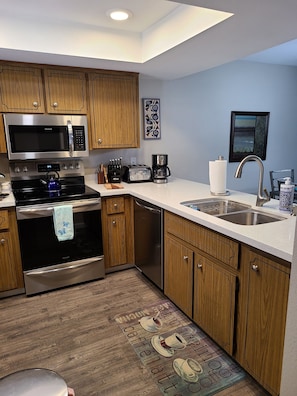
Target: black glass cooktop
{"x": 32, "y": 192}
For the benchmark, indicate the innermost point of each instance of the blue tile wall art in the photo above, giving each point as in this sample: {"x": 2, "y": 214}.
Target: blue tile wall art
{"x": 151, "y": 119}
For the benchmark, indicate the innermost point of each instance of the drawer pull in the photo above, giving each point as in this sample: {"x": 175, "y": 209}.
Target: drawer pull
{"x": 100, "y": 141}
{"x": 255, "y": 268}
{"x": 2, "y": 241}
{"x": 115, "y": 205}
{"x": 35, "y": 104}
{"x": 199, "y": 266}
{"x": 114, "y": 222}
{"x": 55, "y": 105}
{"x": 186, "y": 258}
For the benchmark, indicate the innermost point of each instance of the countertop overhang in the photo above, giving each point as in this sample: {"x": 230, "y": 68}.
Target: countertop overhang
{"x": 275, "y": 238}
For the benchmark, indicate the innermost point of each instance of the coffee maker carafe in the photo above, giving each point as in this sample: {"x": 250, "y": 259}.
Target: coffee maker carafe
{"x": 160, "y": 168}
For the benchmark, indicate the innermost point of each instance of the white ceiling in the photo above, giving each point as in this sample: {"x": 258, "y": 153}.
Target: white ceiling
{"x": 78, "y": 33}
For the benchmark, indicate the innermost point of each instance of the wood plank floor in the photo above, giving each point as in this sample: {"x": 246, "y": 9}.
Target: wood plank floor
{"x": 72, "y": 331}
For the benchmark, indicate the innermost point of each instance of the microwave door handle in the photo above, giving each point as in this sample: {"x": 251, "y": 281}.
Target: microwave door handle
{"x": 70, "y": 138}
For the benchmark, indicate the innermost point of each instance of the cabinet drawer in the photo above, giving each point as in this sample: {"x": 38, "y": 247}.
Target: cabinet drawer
{"x": 210, "y": 242}
{"x": 4, "y": 222}
{"x": 115, "y": 205}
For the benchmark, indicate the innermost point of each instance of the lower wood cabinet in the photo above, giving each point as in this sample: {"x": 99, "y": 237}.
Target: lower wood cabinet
{"x": 214, "y": 300}
{"x": 178, "y": 274}
{"x": 11, "y": 275}
{"x": 117, "y": 229}
{"x": 237, "y": 294}
{"x": 263, "y": 297}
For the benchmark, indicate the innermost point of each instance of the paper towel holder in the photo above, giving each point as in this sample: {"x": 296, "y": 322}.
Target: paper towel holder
{"x": 225, "y": 193}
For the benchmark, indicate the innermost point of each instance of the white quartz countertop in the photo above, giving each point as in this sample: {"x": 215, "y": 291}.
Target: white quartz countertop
{"x": 8, "y": 201}
{"x": 276, "y": 238}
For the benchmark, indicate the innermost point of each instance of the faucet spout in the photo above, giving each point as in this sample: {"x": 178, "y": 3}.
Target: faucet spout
{"x": 261, "y": 198}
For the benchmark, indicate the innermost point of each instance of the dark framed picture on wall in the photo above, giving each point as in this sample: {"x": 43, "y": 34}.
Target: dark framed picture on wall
{"x": 151, "y": 119}
{"x": 248, "y": 134}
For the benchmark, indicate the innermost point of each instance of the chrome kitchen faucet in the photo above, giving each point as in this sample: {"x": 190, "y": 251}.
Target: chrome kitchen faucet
{"x": 261, "y": 199}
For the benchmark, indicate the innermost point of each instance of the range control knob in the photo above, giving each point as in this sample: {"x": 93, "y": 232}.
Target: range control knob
{"x": 25, "y": 169}
{"x": 17, "y": 169}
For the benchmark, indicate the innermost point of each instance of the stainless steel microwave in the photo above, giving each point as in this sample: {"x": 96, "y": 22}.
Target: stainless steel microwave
{"x": 34, "y": 136}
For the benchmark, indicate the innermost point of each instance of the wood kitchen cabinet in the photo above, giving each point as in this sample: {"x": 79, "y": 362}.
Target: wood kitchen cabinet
{"x": 262, "y": 317}
{"x": 178, "y": 274}
{"x": 117, "y": 229}
{"x": 3, "y": 148}
{"x": 200, "y": 276}
{"x": 114, "y": 109}
{"x": 21, "y": 89}
{"x": 11, "y": 275}
{"x": 65, "y": 91}
{"x": 214, "y": 300}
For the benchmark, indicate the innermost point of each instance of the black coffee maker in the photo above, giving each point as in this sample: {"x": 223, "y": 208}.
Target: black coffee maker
{"x": 160, "y": 168}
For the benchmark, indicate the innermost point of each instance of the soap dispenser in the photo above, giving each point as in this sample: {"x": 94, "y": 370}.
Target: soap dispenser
{"x": 286, "y": 195}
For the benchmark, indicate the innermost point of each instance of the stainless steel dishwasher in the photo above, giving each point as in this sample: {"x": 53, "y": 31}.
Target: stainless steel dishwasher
{"x": 148, "y": 235}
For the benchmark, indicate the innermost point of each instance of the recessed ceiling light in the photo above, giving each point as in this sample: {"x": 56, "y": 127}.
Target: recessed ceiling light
{"x": 119, "y": 14}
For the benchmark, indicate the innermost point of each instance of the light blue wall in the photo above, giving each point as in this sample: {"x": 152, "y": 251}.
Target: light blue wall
{"x": 195, "y": 119}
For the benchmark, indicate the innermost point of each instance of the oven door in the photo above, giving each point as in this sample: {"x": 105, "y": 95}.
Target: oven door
{"x": 48, "y": 263}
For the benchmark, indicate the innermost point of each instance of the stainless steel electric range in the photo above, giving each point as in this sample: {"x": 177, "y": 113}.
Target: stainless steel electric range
{"x": 49, "y": 263}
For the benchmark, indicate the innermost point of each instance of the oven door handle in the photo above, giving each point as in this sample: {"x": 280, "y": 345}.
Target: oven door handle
{"x": 55, "y": 270}
{"x": 49, "y": 210}
{"x": 70, "y": 138}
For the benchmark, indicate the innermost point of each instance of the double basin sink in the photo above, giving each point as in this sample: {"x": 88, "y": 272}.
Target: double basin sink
{"x": 232, "y": 211}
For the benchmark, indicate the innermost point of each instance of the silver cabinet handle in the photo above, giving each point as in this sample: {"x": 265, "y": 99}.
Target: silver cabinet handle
{"x": 255, "y": 268}
{"x": 199, "y": 266}
{"x": 100, "y": 141}
{"x": 35, "y": 104}
{"x": 2, "y": 241}
{"x": 186, "y": 258}
{"x": 55, "y": 104}
{"x": 115, "y": 205}
{"x": 114, "y": 222}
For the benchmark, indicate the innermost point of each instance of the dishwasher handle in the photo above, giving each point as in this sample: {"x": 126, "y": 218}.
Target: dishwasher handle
{"x": 151, "y": 209}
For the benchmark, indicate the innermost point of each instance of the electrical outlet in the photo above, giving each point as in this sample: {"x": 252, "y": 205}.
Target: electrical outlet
{"x": 133, "y": 160}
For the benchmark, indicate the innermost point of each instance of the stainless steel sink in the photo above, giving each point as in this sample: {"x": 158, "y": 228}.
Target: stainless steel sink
{"x": 235, "y": 212}
{"x": 250, "y": 217}
{"x": 215, "y": 206}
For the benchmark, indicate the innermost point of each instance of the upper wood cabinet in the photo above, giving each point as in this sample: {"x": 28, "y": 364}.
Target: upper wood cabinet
{"x": 114, "y": 109}
{"x": 21, "y": 89}
{"x": 65, "y": 91}
{"x": 2, "y": 137}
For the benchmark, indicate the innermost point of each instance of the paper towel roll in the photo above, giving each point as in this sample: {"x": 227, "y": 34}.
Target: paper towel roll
{"x": 217, "y": 176}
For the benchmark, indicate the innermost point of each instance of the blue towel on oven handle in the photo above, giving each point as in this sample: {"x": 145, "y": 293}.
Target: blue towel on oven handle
{"x": 63, "y": 222}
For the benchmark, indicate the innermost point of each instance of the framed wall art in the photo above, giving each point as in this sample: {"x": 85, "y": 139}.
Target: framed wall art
{"x": 151, "y": 119}
{"x": 248, "y": 134}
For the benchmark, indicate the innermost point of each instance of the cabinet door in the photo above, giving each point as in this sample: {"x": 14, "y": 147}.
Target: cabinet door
{"x": 11, "y": 276}
{"x": 178, "y": 274}
{"x": 3, "y": 148}
{"x": 114, "y": 110}
{"x": 214, "y": 301}
{"x": 117, "y": 239}
{"x": 21, "y": 89}
{"x": 265, "y": 308}
{"x": 8, "y": 276}
{"x": 65, "y": 91}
